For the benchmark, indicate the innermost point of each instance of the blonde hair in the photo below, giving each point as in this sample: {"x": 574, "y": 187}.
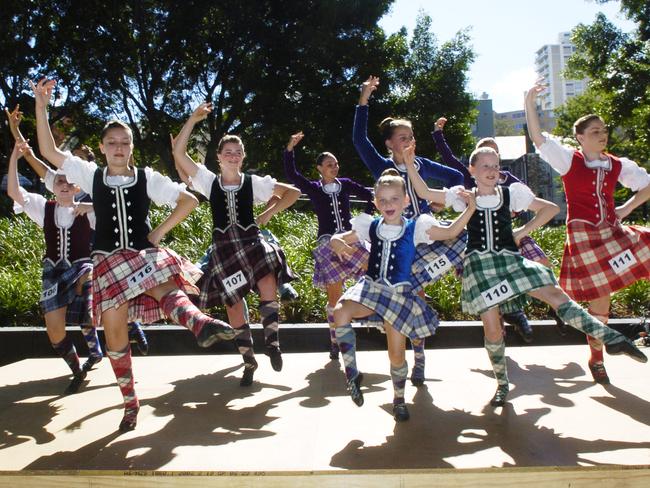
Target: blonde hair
{"x": 391, "y": 177}
{"x": 473, "y": 158}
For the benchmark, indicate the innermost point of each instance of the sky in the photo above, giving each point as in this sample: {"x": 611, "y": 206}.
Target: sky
{"x": 504, "y": 36}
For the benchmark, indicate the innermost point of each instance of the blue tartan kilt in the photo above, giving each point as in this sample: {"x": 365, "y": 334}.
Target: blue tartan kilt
{"x": 59, "y": 283}
{"x": 397, "y": 305}
{"x": 453, "y": 249}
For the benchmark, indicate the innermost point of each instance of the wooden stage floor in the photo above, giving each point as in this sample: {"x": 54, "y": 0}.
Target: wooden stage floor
{"x": 195, "y": 417}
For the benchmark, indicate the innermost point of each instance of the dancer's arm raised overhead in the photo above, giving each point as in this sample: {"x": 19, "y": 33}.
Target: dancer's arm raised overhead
{"x": 183, "y": 161}
{"x": 42, "y": 95}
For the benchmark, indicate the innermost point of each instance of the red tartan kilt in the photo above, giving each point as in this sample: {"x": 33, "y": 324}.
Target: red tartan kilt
{"x": 124, "y": 276}
{"x": 586, "y": 273}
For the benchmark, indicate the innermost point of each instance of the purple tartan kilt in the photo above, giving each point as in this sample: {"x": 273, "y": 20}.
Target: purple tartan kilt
{"x": 125, "y": 275}
{"x": 531, "y": 250}
{"x": 328, "y": 268}
{"x": 59, "y": 288}
{"x": 398, "y": 305}
{"x": 239, "y": 258}
{"x": 453, "y": 249}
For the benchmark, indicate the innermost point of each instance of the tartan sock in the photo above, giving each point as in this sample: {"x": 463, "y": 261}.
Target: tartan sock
{"x": 269, "y": 313}
{"x": 330, "y": 320}
{"x": 596, "y": 346}
{"x": 121, "y": 363}
{"x": 574, "y": 315}
{"x": 178, "y": 307}
{"x": 418, "y": 356}
{"x": 398, "y": 374}
{"x": 497, "y": 354}
{"x": 90, "y": 335}
{"x": 347, "y": 340}
{"x": 244, "y": 343}
{"x": 67, "y": 351}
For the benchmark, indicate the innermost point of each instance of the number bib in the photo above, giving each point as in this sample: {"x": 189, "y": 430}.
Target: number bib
{"x": 50, "y": 292}
{"x": 139, "y": 276}
{"x": 623, "y": 261}
{"x": 438, "y": 267}
{"x": 497, "y": 294}
{"x": 234, "y": 281}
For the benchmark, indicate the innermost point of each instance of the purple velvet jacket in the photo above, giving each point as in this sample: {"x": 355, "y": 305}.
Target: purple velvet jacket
{"x": 332, "y": 209}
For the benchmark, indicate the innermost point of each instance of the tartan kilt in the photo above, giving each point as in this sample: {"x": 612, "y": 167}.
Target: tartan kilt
{"x": 398, "y": 305}
{"x": 454, "y": 249}
{"x": 329, "y": 269}
{"x": 79, "y": 312}
{"x": 243, "y": 253}
{"x": 531, "y": 250}
{"x": 125, "y": 275}
{"x": 586, "y": 274}
{"x": 485, "y": 271}
{"x": 64, "y": 276}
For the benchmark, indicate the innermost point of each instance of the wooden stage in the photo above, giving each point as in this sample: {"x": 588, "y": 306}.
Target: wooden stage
{"x": 198, "y": 427}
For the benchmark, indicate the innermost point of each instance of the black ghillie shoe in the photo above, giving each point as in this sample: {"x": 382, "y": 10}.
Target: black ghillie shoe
{"x": 354, "y": 388}
{"x": 90, "y": 362}
{"x": 129, "y": 421}
{"x": 401, "y": 413}
{"x": 520, "y": 322}
{"x": 499, "y": 398}
{"x": 75, "y": 384}
{"x": 215, "y": 331}
{"x": 628, "y": 348}
{"x": 249, "y": 371}
{"x": 599, "y": 373}
{"x": 274, "y": 353}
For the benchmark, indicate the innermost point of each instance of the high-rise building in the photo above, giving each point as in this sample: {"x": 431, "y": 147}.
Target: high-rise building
{"x": 550, "y": 62}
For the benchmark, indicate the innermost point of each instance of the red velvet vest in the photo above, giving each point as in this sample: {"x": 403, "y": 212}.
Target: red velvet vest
{"x": 590, "y": 192}
{"x": 72, "y": 243}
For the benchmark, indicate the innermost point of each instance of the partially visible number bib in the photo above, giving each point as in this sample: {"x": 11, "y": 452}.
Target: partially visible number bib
{"x": 622, "y": 261}
{"x": 139, "y": 276}
{"x": 497, "y": 294}
{"x": 438, "y": 267}
{"x": 50, "y": 292}
{"x": 234, "y": 281}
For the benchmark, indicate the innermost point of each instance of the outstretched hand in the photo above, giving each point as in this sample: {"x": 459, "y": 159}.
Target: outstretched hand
{"x": 201, "y": 112}
{"x": 367, "y": 88}
{"x": 536, "y": 90}
{"x": 43, "y": 90}
{"x": 294, "y": 140}
{"x": 440, "y": 124}
{"x": 14, "y": 117}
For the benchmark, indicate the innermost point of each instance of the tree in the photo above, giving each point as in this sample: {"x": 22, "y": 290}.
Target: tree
{"x": 431, "y": 82}
{"x": 618, "y": 65}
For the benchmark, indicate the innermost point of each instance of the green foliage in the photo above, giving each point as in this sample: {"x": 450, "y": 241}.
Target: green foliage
{"x": 21, "y": 248}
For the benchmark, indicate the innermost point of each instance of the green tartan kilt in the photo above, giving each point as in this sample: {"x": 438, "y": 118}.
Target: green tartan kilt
{"x": 483, "y": 272}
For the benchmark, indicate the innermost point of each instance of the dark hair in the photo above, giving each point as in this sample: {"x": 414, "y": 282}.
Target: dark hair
{"x": 321, "y": 157}
{"x": 479, "y": 152}
{"x": 391, "y": 177}
{"x": 228, "y": 138}
{"x": 389, "y": 124}
{"x": 115, "y": 124}
{"x": 580, "y": 125}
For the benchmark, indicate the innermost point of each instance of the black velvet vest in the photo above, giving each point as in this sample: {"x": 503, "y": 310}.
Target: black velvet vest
{"x": 491, "y": 229}
{"x": 71, "y": 244}
{"x": 232, "y": 207}
{"x": 122, "y": 214}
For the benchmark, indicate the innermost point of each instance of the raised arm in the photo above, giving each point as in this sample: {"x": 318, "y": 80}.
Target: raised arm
{"x": 14, "y": 117}
{"x": 42, "y": 95}
{"x": 13, "y": 185}
{"x": 532, "y": 119}
{"x": 448, "y": 156}
{"x": 374, "y": 161}
{"x": 544, "y": 212}
{"x": 283, "y": 197}
{"x": 289, "y": 157}
{"x": 184, "y": 163}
